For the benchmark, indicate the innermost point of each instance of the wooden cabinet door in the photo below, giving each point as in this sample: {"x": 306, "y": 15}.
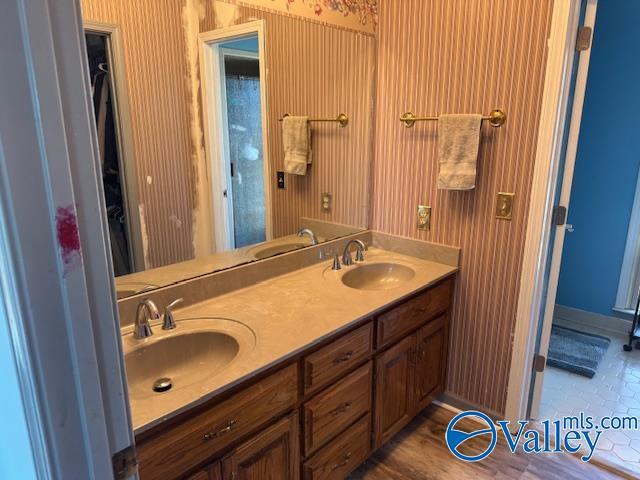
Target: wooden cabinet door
{"x": 394, "y": 389}
{"x": 273, "y": 454}
{"x": 431, "y": 361}
{"x": 212, "y": 472}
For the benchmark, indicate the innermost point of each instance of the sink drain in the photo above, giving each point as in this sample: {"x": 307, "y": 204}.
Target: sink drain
{"x": 162, "y": 385}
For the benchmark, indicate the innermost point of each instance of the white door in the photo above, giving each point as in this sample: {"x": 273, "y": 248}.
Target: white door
{"x": 565, "y": 180}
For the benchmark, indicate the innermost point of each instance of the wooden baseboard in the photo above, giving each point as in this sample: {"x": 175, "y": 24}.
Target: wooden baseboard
{"x": 453, "y": 403}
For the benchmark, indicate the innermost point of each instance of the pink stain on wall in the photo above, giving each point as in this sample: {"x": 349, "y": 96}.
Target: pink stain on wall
{"x": 68, "y": 236}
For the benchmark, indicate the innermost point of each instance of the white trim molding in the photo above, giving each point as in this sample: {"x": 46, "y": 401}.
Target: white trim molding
{"x": 561, "y": 54}
{"x": 629, "y": 284}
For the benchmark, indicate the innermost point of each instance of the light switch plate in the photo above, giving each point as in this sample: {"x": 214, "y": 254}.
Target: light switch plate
{"x": 424, "y": 217}
{"x": 504, "y": 206}
{"x": 326, "y": 202}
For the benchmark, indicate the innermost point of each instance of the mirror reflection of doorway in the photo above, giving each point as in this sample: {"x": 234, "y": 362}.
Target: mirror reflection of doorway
{"x": 243, "y": 135}
{"x": 111, "y": 161}
{"x": 242, "y": 125}
{"x": 234, "y": 69}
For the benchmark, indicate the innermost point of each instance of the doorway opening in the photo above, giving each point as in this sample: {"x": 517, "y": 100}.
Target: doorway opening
{"x": 234, "y": 104}
{"x": 105, "y": 62}
{"x": 110, "y": 158}
{"x": 240, "y": 77}
{"x": 583, "y": 367}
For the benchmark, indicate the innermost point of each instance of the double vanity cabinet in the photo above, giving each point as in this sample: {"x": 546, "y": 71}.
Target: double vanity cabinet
{"x": 319, "y": 414}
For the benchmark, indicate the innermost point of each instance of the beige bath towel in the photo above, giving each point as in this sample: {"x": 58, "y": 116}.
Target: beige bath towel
{"x": 458, "y": 142}
{"x": 296, "y": 139}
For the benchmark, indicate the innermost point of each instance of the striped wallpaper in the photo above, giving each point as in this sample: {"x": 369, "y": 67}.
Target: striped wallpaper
{"x": 433, "y": 57}
{"x": 463, "y": 56}
{"x": 314, "y": 68}
{"x": 318, "y": 70}
{"x": 154, "y": 51}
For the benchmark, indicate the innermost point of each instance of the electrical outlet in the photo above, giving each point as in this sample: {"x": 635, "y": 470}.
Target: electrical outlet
{"x": 424, "y": 217}
{"x": 280, "y": 177}
{"x": 326, "y": 202}
{"x": 504, "y": 206}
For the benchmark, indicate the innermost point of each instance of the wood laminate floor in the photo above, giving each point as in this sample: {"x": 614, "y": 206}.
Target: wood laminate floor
{"x": 419, "y": 452}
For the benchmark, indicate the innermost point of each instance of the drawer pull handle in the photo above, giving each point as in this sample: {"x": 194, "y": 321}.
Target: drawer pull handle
{"x": 421, "y": 353}
{"x": 341, "y": 408}
{"x": 345, "y": 357}
{"x": 344, "y": 461}
{"x": 227, "y": 429}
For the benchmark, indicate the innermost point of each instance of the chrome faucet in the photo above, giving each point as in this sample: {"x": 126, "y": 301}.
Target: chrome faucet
{"x": 307, "y": 231}
{"x": 146, "y": 310}
{"x": 361, "y": 248}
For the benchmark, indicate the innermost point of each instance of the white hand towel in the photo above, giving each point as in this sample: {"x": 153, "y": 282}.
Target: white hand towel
{"x": 296, "y": 139}
{"x": 458, "y": 143}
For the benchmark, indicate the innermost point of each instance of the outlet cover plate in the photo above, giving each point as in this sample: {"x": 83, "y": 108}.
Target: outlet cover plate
{"x": 504, "y": 206}
{"x": 424, "y": 217}
{"x": 326, "y": 202}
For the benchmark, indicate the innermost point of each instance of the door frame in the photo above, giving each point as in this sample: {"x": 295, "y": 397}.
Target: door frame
{"x": 537, "y": 286}
{"x": 57, "y": 277}
{"x": 124, "y": 136}
{"x": 214, "y": 118}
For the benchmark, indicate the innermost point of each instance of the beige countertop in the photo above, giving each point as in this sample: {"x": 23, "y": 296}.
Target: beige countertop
{"x": 286, "y": 314}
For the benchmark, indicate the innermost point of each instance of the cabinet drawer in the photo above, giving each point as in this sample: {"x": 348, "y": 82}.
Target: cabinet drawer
{"x": 173, "y": 452}
{"x": 337, "y": 358}
{"x": 342, "y": 456}
{"x": 334, "y": 409}
{"x": 396, "y": 323}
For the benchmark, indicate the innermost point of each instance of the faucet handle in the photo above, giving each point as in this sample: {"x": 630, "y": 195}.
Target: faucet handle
{"x": 169, "y": 323}
{"x": 336, "y": 263}
{"x": 360, "y": 255}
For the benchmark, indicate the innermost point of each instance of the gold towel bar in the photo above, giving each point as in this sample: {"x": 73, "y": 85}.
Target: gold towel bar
{"x": 342, "y": 119}
{"x": 496, "y": 118}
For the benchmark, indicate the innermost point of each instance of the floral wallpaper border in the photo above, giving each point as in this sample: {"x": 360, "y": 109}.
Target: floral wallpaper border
{"x": 365, "y": 10}
{"x": 359, "y": 15}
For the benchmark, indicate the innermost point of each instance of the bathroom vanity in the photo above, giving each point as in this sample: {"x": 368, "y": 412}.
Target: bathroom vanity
{"x": 342, "y": 381}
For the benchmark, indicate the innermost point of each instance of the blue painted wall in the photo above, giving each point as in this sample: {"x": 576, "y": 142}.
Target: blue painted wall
{"x": 607, "y": 164}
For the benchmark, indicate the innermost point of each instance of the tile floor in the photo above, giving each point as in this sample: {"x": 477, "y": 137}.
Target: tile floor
{"x": 614, "y": 390}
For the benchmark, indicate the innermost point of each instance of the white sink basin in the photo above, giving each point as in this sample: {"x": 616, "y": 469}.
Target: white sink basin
{"x": 196, "y": 350}
{"x": 377, "y": 276}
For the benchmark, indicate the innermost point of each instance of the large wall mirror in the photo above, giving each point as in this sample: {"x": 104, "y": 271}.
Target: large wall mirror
{"x": 206, "y": 161}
